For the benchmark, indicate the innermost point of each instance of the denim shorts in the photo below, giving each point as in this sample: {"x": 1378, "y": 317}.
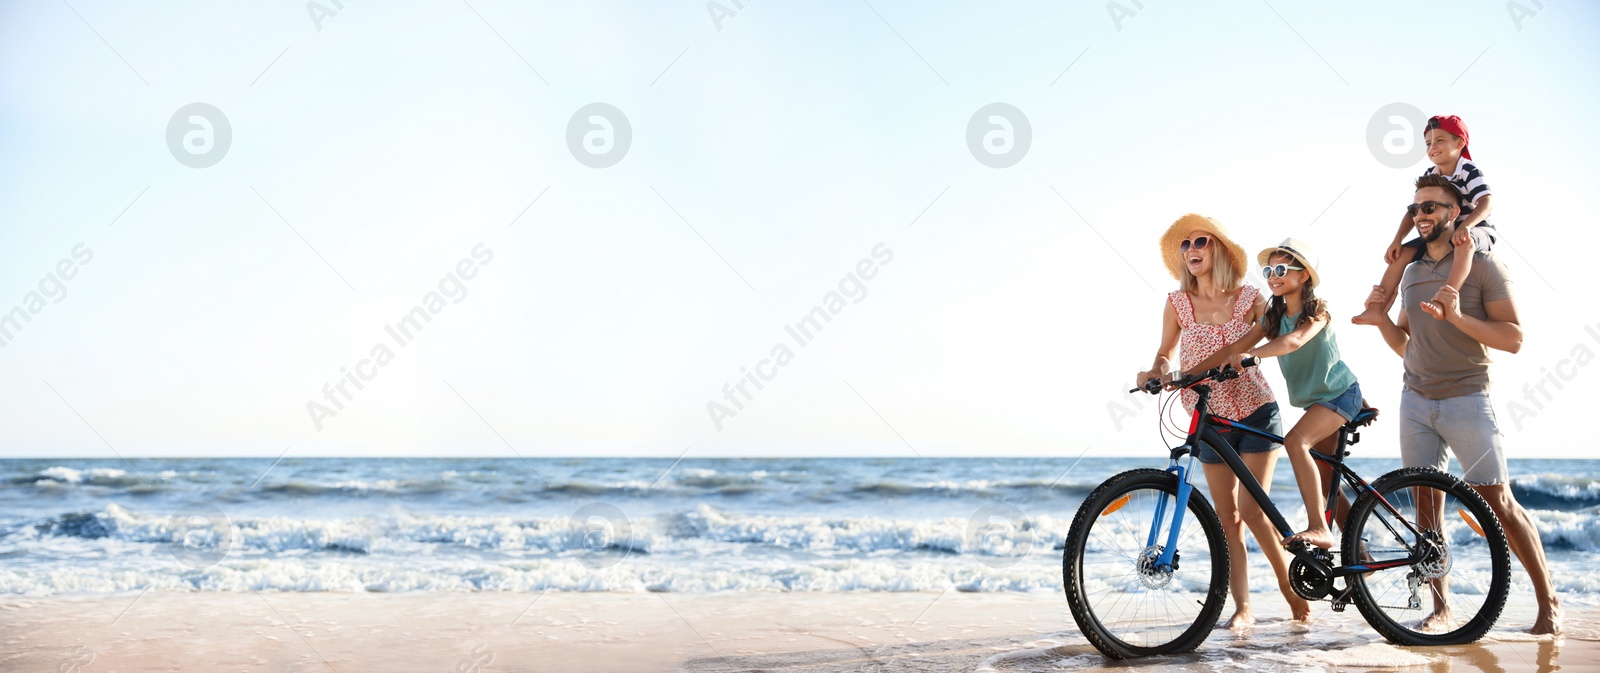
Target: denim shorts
{"x": 1465, "y": 425}
{"x": 1264, "y": 418}
{"x": 1347, "y": 404}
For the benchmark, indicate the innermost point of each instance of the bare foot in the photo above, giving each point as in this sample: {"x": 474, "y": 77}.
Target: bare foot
{"x": 1548, "y": 621}
{"x": 1372, "y": 316}
{"x": 1297, "y": 605}
{"x": 1241, "y": 620}
{"x": 1438, "y": 621}
{"x": 1301, "y": 610}
{"x": 1320, "y": 537}
{"x": 1432, "y": 308}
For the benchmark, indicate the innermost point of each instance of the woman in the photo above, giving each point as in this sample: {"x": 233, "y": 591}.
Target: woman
{"x": 1212, "y": 309}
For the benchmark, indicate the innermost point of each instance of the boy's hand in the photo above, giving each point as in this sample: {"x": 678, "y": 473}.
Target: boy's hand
{"x": 1462, "y": 237}
{"x": 1393, "y": 253}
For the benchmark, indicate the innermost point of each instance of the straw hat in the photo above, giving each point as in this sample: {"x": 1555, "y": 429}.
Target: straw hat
{"x": 1300, "y": 250}
{"x": 1192, "y": 222}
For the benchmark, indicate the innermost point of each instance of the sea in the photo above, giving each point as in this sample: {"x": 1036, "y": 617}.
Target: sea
{"x": 615, "y": 524}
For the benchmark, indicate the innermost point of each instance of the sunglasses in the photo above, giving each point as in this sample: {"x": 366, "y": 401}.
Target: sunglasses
{"x": 1427, "y": 207}
{"x": 1199, "y": 243}
{"x": 1279, "y": 270}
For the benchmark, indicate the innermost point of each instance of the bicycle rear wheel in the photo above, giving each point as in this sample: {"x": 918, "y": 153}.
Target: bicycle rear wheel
{"x": 1123, "y": 604}
{"x": 1454, "y": 594}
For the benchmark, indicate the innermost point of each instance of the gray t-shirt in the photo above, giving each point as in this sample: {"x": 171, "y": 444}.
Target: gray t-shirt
{"x": 1441, "y": 360}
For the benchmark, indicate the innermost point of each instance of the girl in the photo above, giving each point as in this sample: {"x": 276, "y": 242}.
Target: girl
{"x": 1297, "y": 323}
{"x": 1213, "y": 309}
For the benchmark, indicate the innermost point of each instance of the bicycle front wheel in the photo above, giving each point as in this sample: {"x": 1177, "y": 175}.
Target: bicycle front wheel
{"x": 1125, "y": 604}
{"x": 1456, "y": 586}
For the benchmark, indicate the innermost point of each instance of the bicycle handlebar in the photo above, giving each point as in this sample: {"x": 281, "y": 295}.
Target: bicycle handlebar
{"x": 1223, "y": 373}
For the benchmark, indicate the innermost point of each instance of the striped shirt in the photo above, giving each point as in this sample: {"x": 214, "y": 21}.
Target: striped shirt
{"x": 1469, "y": 180}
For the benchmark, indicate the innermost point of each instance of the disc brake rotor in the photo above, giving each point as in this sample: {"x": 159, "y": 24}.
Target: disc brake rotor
{"x": 1150, "y": 575}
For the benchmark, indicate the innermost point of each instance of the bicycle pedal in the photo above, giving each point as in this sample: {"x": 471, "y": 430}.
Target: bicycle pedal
{"x": 1342, "y": 598}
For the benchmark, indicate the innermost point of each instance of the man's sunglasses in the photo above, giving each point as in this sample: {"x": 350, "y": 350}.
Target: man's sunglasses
{"x": 1199, "y": 243}
{"x": 1279, "y": 270}
{"x": 1427, "y": 207}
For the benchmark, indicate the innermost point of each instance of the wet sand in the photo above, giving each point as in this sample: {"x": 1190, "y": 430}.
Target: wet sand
{"x": 464, "y": 633}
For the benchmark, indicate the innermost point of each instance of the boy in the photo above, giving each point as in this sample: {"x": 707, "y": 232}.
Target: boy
{"x": 1446, "y": 138}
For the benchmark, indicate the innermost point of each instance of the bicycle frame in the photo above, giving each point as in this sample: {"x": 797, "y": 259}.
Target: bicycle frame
{"x": 1203, "y": 428}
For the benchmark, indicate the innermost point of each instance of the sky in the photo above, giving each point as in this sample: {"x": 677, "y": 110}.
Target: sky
{"x": 346, "y": 162}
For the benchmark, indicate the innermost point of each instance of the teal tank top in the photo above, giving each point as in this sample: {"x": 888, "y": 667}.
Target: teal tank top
{"x": 1314, "y": 372}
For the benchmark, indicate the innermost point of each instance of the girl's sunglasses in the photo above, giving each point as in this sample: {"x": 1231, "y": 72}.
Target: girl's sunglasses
{"x": 1199, "y": 243}
{"x": 1427, "y": 207}
{"x": 1279, "y": 270}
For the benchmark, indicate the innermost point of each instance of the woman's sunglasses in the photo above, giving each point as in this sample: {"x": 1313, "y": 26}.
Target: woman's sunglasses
{"x": 1427, "y": 207}
{"x": 1279, "y": 270}
{"x": 1199, "y": 243}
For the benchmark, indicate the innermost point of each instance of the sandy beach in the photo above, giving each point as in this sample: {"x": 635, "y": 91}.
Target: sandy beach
{"x": 799, "y": 632}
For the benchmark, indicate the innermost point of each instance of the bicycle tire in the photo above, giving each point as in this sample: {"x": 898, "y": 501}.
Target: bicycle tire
{"x": 1095, "y": 507}
{"x": 1483, "y": 518}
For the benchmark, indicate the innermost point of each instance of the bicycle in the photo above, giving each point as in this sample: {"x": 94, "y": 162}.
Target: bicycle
{"x": 1139, "y": 582}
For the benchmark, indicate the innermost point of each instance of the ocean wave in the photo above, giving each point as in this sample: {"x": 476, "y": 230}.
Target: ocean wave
{"x": 981, "y": 487}
{"x": 1556, "y": 491}
{"x": 402, "y": 532}
{"x": 96, "y": 476}
{"x": 867, "y": 534}
{"x": 492, "y": 485}
{"x": 700, "y": 549}
{"x": 532, "y": 576}
{"x": 1576, "y": 531}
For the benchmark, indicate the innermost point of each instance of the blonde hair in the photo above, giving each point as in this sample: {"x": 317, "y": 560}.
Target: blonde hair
{"x": 1222, "y": 271}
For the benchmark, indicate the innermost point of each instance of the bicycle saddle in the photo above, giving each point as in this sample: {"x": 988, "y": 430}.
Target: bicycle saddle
{"x": 1364, "y": 417}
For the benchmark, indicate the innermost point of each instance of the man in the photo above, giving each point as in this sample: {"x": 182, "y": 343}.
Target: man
{"x": 1445, "y": 403}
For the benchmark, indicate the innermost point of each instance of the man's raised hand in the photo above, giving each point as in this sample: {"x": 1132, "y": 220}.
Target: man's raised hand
{"x": 1446, "y": 304}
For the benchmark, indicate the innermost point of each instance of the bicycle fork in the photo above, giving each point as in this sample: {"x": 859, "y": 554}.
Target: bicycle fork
{"x": 1179, "y": 504}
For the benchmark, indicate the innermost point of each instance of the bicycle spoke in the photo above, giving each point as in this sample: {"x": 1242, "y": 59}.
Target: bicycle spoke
{"x": 1439, "y": 598}
{"x": 1136, "y": 608}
